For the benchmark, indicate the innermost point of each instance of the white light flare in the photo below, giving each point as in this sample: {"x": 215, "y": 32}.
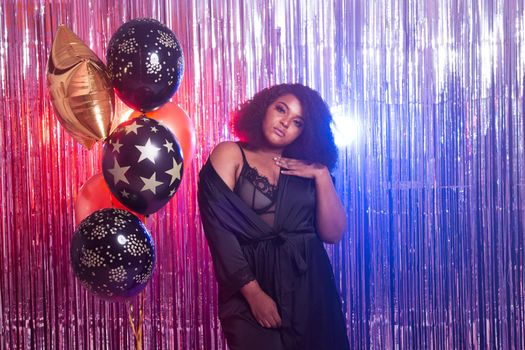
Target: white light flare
{"x": 346, "y": 128}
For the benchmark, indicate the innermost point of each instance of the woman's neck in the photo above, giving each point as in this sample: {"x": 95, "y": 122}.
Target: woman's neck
{"x": 268, "y": 152}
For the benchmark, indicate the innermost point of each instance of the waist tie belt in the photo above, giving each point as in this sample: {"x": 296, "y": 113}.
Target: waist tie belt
{"x": 283, "y": 280}
{"x": 282, "y": 241}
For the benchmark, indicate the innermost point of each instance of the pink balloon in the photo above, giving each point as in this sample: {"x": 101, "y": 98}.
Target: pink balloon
{"x": 95, "y": 195}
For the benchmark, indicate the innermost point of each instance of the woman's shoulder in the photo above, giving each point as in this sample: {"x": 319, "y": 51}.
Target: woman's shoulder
{"x": 226, "y": 151}
{"x": 226, "y": 159}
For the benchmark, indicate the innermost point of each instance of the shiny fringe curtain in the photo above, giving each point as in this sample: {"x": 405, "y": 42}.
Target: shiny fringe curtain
{"x": 433, "y": 174}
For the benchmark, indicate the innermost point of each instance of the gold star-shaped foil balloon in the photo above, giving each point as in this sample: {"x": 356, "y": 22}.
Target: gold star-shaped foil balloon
{"x": 80, "y": 89}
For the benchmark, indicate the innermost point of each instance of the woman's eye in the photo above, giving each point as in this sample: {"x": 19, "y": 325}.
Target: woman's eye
{"x": 279, "y": 109}
{"x": 298, "y": 123}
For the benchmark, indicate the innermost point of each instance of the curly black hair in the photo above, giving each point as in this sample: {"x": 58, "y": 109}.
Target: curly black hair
{"x": 316, "y": 142}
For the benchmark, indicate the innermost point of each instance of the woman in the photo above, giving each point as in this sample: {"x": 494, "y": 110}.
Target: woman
{"x": 267, "y": 204}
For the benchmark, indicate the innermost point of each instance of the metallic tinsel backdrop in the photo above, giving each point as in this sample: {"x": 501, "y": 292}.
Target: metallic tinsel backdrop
{"x": 433, "y": 179}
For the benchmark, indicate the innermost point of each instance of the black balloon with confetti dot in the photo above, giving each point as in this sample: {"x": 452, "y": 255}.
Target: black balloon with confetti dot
{"x": 112, "y": 254}
{"x": 142, "y": 164}
{"x": 145, "y": 62}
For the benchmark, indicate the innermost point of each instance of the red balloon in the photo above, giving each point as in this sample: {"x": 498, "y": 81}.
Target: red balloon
{"x": 177, "y": 121}
{"x": 95, "y": 195}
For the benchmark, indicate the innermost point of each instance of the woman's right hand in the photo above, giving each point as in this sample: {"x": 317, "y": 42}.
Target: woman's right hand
{"x": 262, "y": 305}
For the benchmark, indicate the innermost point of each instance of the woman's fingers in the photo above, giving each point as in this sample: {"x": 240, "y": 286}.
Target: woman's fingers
{"x": 272, "y": 323}
{"x": 277, "y": 321}
{"x": 272, "y": 320}
{"x": 299, "y": 168}
{"x": 289, "y": 163}
{"x": 265, "y": 324}
{"x": 296, "y": 168}
{"x": 290, "y": 172}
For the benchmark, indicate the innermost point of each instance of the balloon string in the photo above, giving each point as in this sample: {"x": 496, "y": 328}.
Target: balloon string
{"x": 138, "y": 340}
{"x": 137, "y": 329}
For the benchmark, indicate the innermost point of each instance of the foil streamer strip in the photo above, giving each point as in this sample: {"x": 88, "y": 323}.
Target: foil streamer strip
{"x": 433, "y": 179}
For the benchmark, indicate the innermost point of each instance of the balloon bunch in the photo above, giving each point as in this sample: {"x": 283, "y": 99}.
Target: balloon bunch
{"x": 112, "y": 252}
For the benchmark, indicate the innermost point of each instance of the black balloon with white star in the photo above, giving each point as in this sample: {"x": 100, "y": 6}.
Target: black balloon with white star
{"x": 145, "y": 62}
{"x": 142, "y": 164}
{"x": 112, "y": 254}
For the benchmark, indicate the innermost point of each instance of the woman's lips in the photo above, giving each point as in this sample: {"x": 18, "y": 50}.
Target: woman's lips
{"x": 279, "y": 132}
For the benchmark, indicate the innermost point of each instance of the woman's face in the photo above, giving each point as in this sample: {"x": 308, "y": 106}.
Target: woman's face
{"x": 283, "y": 121}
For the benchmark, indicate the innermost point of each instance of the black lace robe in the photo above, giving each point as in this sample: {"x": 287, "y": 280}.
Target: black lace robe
{"x": 288, "y": 260}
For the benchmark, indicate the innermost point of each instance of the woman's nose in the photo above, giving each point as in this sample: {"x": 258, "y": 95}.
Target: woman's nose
{"x": 285, "y": 122}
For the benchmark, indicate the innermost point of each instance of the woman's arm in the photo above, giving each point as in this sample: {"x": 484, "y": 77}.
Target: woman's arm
{"x": 331, "y": 216}
{"x": 330, "y": 213}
